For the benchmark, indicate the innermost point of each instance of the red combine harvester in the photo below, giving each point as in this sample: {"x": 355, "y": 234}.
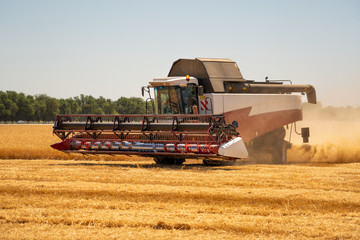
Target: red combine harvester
{"x": 203, "y": 109}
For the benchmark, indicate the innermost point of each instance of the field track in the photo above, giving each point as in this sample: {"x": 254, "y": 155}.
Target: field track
{"x": 57, "y": 199}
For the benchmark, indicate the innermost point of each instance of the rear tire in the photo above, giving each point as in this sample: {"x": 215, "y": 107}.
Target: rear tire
{"x": 271, "y": 143}
{"x": 279, "y": 153}
{"x": 169, "y": 160}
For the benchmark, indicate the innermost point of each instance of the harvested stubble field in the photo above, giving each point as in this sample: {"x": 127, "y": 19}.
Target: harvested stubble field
{"x": 68, "y": 197}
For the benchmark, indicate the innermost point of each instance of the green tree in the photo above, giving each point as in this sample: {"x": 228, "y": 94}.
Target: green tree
{"x": 4, "y": 107}
{"x": 64, "y": 106}
{"x": 25, "y": 108}
{"x": 13, "y": 110}
{"x": 40, "y": 107}
{"x": 88, "y": 105}
{"x": 131, "y": 105}
{"x": 52, "y": 108}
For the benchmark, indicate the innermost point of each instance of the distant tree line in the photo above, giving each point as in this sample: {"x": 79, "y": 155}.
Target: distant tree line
{"x": 18, "y": 106}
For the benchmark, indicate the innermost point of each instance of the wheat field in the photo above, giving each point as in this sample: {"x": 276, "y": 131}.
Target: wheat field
{"x": 57, "y": 196}
{"x": 33, "y": 142}
{"x": 55, "y": 199}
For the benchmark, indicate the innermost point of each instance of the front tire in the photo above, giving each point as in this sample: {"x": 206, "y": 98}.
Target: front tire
{"x": 209, "y": 162}
{"x": 169, "y": 160}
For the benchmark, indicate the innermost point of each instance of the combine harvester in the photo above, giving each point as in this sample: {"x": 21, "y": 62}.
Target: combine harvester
{"x": 204, "y": 109}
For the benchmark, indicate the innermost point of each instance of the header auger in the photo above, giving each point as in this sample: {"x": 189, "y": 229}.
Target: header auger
{"x": 203, "y": 109}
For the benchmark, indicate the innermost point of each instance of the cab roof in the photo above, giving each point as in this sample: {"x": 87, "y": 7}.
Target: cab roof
{"x": 211, "y": 72}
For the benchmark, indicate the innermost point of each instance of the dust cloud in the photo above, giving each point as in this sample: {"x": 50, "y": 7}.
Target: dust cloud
{"x": 334, "y": 136}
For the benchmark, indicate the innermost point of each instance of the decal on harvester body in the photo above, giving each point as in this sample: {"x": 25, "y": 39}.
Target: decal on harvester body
{"x": 257, "y": 114}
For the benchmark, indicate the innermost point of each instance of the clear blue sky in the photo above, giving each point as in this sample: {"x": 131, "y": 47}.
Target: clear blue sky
{"x": 112, "y": 48}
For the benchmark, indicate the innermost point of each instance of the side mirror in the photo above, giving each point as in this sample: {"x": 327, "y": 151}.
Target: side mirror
{"x": 200, "y": 90}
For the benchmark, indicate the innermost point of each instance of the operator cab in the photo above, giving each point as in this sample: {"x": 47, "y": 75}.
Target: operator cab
{"x": 175, "y": 95}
